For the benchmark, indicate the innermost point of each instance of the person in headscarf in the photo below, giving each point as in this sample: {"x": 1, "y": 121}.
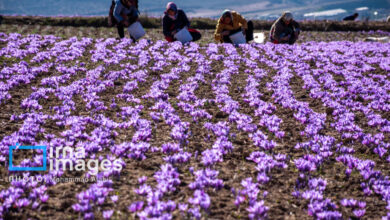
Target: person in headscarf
{"x": 388, "y": 19}
{"x": 230, "y": 23}
{"x": 285, "y": 30}
{"x": 351, "y": 17}
{"x": 174, "y": 20}
{"x": 125, "y": 13}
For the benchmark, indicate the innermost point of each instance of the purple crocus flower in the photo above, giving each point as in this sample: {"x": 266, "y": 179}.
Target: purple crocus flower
{"x": 136, "y": 206}
{"x": 107, "y": 214}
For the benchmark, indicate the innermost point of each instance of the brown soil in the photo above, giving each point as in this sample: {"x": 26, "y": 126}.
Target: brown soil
{"x": 233, "y": 169}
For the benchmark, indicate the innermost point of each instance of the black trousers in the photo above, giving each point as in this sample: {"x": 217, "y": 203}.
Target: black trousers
{"x": 292, "y": 39}
{"x": 248, "y": 33}
{"x": 121, "y": 30}
{"x": 195, "y": 35}
{"x": 120, "y": 26}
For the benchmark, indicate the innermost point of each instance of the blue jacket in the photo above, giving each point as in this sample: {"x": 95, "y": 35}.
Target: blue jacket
{"x": 120, "y": 8}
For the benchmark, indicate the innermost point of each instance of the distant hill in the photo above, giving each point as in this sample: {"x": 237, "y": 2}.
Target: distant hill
{"x": 266, "y": 9}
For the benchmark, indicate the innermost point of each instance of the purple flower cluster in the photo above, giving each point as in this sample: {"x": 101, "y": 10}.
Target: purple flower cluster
{"x": 266, "y": 163}
{"x": 96, "y": 194}
{"x": 352, "y": 203}
{"x": 250, "y": 192}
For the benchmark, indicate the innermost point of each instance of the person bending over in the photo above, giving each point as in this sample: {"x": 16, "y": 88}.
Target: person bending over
{"x": 174, "y": 20}
{"x": 230, "y": 23}
{"x": 285, "y": 30}
{"x": 125, "y": 13}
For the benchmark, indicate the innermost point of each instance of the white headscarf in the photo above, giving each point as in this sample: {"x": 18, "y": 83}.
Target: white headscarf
{"x": 287, "y": 16}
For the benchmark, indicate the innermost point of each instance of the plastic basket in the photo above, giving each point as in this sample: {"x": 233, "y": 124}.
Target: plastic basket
{"x": 136, "y": 30}
{"x": 183, "y": 36}
{"x": 238, "y": 38}
{"x": 259, "y": 38}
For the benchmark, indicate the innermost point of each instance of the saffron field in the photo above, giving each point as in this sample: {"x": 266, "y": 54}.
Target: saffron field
{"x": 201, "y": 131}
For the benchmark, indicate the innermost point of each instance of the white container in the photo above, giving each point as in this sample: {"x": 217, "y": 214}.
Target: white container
{"x": 136, "y": 30}
{"x": 259, "y": 38}
{"x": 238, "y": 38}
{"x": 183, "y": 35}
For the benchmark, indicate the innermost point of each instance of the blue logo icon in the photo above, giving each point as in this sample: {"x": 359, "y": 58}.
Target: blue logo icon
{"x": 12, "y": 168}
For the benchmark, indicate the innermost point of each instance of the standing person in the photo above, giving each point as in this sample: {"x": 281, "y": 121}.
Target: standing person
{"x": 388, "y": 19}
{"x": 351, "y": 17}
{"x": 285, "y": 30}
{"x": 174, "y": 20}
{"x": 125, "y": 13}
{"x": 230, "y": 23}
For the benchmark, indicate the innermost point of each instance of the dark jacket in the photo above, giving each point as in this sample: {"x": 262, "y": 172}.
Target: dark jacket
{"x": 170, "y": 25}
{"x": 279, "y": 29}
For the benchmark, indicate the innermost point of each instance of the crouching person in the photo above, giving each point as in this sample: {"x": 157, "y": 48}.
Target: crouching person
{"x": 125, "y": 13}
{"x": 285, "y": 30}
{"x": 174, "y": 20}
{"x": 230, "y": 23}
